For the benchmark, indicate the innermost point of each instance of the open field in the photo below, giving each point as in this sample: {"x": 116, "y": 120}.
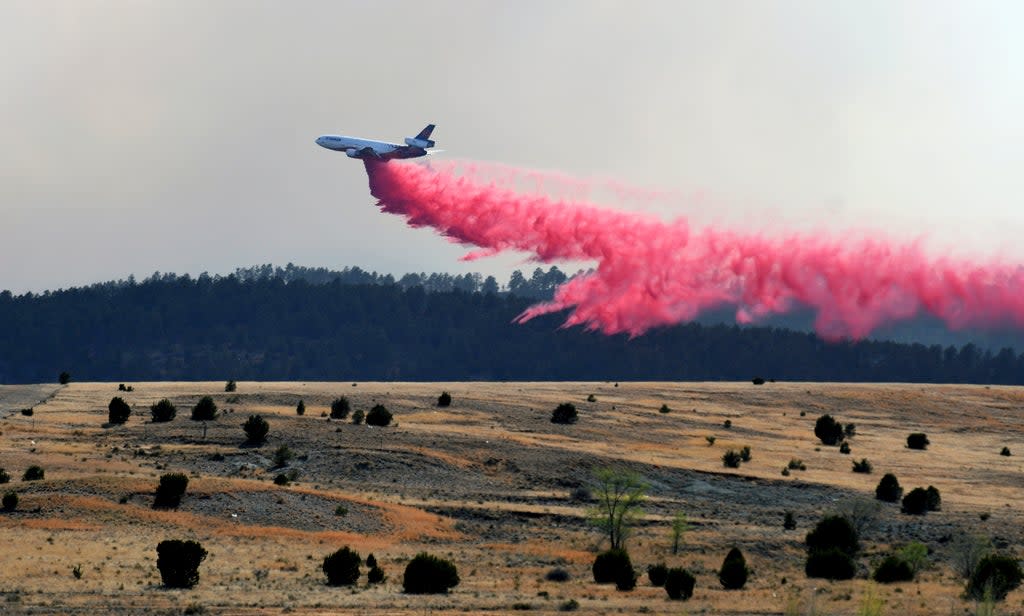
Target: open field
{"x": 488, "y": 483}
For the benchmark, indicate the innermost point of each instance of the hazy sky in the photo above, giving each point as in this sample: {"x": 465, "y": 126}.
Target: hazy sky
{"x": 178, "y": 136}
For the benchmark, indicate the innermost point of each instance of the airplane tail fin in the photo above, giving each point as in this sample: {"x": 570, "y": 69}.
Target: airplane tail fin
{"x": 421, "y": 140}
{"x": 425, "y": 133}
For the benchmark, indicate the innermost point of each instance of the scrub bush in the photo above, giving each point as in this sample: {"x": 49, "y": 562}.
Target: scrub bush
{"x": 564, "y": 413}
{"x": 679, "y": 583}
{"x": 428, "y": 574}
{"x": 118, "y": 410}
{"x": 204, "y": 410}
{"x": 163, "y": 411}
{"x": 342, "y": 567}
{"x": 172, "y": 487}
{"x": 178, "y": 562}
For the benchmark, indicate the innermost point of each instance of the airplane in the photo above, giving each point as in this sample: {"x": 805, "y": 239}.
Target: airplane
{"x": 380, "y": 150}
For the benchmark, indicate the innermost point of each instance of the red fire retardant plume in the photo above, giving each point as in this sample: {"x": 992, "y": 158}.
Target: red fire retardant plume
{"x": 650, "y": 273}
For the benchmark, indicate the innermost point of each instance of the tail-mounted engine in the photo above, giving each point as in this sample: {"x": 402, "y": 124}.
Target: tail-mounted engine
{"x": 419, "y": 143}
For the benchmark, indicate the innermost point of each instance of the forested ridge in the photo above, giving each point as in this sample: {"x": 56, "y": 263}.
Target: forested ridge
{"x": 297, "y": 323}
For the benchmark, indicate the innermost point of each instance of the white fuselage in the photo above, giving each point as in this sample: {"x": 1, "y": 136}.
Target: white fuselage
{"x": 355, "y": 147}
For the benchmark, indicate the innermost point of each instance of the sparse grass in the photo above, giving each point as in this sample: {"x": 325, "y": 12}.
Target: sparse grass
{"x": 440, "y": 475}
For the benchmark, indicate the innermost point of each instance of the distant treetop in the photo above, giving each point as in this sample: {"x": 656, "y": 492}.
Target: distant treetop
{"x": 296, "y": 323}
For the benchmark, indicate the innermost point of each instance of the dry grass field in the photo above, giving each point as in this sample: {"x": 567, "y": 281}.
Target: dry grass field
{"x": 489, "y": 484}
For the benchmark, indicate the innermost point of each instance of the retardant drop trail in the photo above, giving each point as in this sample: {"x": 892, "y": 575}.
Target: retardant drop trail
{"x": 650, "y": 273}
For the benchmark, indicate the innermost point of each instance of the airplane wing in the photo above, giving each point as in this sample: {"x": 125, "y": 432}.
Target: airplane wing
{"x": 369, "y": 152}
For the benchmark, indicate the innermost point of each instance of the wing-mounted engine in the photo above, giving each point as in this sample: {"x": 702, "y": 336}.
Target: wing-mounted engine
{"x": 352, "y": 153}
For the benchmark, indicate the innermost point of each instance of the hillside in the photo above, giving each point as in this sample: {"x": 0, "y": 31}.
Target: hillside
{"x": 492, "y": 484}
{"x": 304, "y": 327}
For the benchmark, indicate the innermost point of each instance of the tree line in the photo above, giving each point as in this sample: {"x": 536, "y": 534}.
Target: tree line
{"x": 302, "y": 324}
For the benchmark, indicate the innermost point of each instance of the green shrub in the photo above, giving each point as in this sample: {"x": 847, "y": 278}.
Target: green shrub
{"x": 569, "y": 606}
{"x": 33, "y": 473}
{"x": 830, "y": 564}
{"x": 625, "y": 579}
{"x": 300, "y": 408}
{"x": 375, "y": 575}
{"x": 444, "y": 400}
{"x": 357, "y": 417}
{"x": 428, "y": 574}
{"x": 4, "y": 476}
{"x": 997, "y": 575}
{"x": 916, "y": 502}
{"x": 656, "y": 574}
{"x": 178, "y": 562}
{"x": 789, "y": 522}
{"x": 163, "y": 411}
{"x": 28, "y": 412}
{"x": 918, "y": 440}
{"x": 172, "y": 487}
{"x": 844, "y": 447}
{"x": 611, "y": 565}
{"x": 204, "y": 410}
{"x": 849, "y": 430}
{"x": 664, "y": 409}
{"x": 378, "y": 416}
{"x": 914, "y": 554}
{"x": 934, "y": 501}
{"x": 831, "y": 547}
{"x": 118, "y": 410}
{"x": 564, "y": 413}
{"x": 371, "y": 561}
{"x": 679, "y": 583}
{"x": 282, "y": 456}
{"x": 64, "y": 378}
{"x": 342, "y": 567}
{"x": 256, "y": 429}
{"x": 733, "y": 573}
{"x": 889, "y": 489}
{"x": 10, "y": 501}
{"x": 282, "y": 479}
{"x": 727, "y": 424}
{"x": 828, "y": 430}
{"x": 340, "y": 408}
{"x": 731, "y": 459}
{"x": 1005, "y": 452}
{"x": 834, "y": 531}
{"x": 230, "y": 386}
{"x": 893, "y": 569}
{"x": 745, "y": 454}
{"x": 862, "y": 467}
{"x": 796, "y": 464}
